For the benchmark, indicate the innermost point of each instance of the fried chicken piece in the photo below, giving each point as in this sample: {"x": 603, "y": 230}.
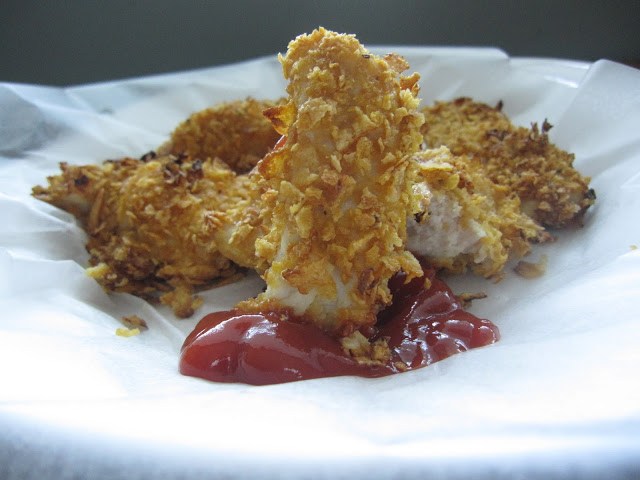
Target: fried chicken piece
{"x": 338, "y": 190}
{"x": 177, "y": 220}
{"x": 236, "y": 132}
{"x": 467, "y": 222}
{"x": 153, "y": 224}
{"x": 552, "y": 192}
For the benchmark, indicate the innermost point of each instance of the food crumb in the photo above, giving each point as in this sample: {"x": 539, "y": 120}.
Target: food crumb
{"x": 134, "y": 321}
{"x": 466, "y": 298}
{"x": 127, "y": 332}
{"x": 530, "y": 269}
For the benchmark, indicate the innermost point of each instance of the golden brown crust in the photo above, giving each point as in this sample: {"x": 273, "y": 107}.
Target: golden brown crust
{"x": 485, "y": 215}
{"x": 323, "y": 216}
{"x": 148, "y": 223}
{"x": 236, "y": 132}
{"x": 552, "y": 192}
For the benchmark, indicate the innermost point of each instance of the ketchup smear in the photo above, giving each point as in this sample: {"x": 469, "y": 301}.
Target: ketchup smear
{"x": 422, "y": 325}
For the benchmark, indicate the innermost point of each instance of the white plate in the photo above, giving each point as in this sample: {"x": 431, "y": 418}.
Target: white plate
{"x": 557, "y": 396}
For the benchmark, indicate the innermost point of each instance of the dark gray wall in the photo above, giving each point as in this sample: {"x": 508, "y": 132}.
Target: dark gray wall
{"x": 70, "y": 42}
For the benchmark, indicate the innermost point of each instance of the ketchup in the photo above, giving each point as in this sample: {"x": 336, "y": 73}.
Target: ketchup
{"x": 422, "y": 326}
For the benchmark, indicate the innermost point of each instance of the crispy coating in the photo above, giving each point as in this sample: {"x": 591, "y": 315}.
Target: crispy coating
{"x": 235, "y": 132}
{"x": 332, "y": 210}
{"x": 468, "y": 222}
{"x": 338, "y": 190}
{"x": 552, "y": 192}
{"x": 153, "y": 223}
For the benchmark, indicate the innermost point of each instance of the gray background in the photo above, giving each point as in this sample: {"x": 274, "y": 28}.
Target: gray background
{"x": 71, "y": 42}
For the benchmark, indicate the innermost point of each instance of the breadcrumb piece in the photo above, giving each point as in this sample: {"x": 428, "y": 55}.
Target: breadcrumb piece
{"x": 531, "y": 270}
{"x": 127, "y": 332}
{"x": 364, "y": 352}
{"x": 134, "y": 321}
{"x": 182, "y": 301}
{"x": 468, "y": 298}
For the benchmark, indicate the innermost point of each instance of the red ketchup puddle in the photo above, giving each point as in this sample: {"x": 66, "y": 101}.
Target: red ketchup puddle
{"x": 422, "y": 325}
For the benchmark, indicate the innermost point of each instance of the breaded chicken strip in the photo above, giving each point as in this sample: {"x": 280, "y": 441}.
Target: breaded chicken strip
{"x": 153, "y": 224}
{"x": 338, "y": 190}
{"x": 235, "y": 132}
{"x": 552, "y": 192}
{"x": 467, "y": 221}
{"x": 169, "y": 223}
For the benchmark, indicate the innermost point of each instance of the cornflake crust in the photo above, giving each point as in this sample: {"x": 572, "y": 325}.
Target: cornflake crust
{"x": 326, "y": 193}
{"x": 338, "y": 190}
{"x": 552, "y": 192}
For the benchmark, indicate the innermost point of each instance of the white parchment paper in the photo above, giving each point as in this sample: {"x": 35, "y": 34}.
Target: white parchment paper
{"x": 558, "y": 396}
